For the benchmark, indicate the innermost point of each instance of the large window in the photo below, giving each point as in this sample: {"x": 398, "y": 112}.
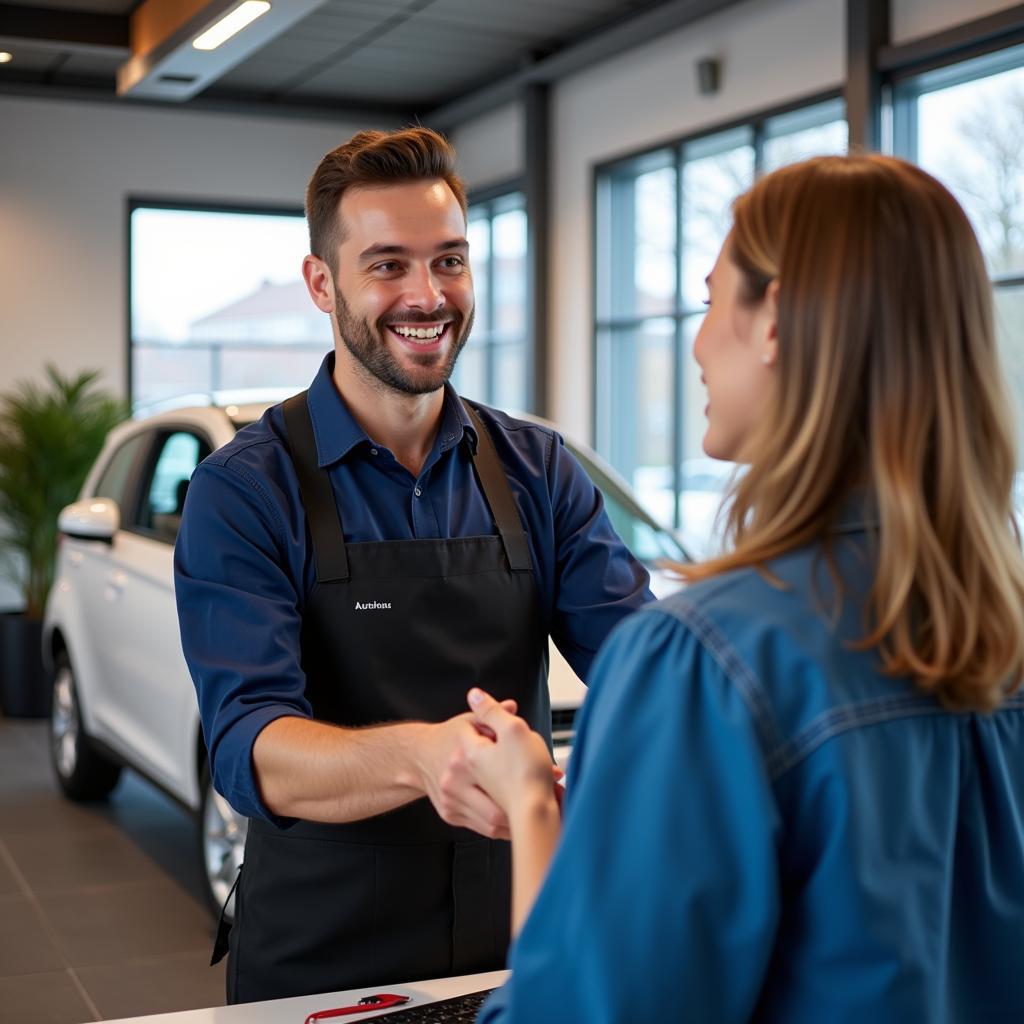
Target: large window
{"x": 219, "y": 312}
{"x": 494, "y": 366}
{"x": 661, "y": 218}
{"x": 218, "y": 308}
{"x": 965, "y": 124}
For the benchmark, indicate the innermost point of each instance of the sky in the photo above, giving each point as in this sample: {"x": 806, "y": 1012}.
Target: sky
{"x": 186, "y": 264}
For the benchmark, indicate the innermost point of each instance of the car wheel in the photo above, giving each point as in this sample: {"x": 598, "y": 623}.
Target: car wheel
{"x": 83, "y": 772}
{"x": 222, "y": 832}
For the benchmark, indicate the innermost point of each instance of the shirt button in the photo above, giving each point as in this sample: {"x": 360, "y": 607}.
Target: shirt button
{"x": 373, "y": 451}
{"x": 417, "y": 492}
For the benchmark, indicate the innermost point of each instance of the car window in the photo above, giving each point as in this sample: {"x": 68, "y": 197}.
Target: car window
{"x": 164, "y": 493}
{"x": 116, "y": 478}
{"x": 648, "y": 541}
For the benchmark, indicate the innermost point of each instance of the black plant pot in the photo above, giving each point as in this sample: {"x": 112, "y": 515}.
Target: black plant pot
{"x": 24, "y": 688}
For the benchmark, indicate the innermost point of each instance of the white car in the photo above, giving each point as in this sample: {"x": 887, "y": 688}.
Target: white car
{"x": 122, "y": 694}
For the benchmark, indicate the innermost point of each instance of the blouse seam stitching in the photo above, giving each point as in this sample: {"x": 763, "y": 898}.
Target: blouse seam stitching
{"x": 728, "y": 659}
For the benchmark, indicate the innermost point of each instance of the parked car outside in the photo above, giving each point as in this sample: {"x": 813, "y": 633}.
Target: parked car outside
{"x": 122, "y": 694}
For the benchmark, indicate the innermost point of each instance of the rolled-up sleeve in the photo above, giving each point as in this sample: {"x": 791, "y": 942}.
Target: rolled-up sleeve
{"x": 598, "y": 580}
{"x": 662, "y": 901}
{"x": 239, "y": 616}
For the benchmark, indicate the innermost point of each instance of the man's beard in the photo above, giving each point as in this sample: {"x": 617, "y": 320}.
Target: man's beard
{"x": 367, "y": 344}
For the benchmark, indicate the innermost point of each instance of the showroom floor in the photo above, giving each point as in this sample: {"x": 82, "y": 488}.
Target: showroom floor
{"x": 100, "y": 912}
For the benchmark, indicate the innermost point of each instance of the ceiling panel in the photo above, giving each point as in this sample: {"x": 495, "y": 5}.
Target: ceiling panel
{"x": 535, "y": 17}
{"x": 374, "y": 77}
{"x": 91, "y": 65}
{"x": 423, "y": 38}
{"x": 411, "y": 54}
{"x": 30, "y": 60}
{"x": 91, "y": 6}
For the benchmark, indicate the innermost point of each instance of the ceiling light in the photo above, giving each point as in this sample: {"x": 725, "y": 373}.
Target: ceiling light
{"x": 232, "y": 23}
{"x": 5, "y": 57}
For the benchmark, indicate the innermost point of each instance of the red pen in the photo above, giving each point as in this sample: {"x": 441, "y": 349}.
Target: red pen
{"x": 381, "y": 1001}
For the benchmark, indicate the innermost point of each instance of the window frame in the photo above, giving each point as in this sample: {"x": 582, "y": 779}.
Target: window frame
{"x": 491, "y": 198}
{"x": 669, "y": 152}
{"x": 901, "y": 99}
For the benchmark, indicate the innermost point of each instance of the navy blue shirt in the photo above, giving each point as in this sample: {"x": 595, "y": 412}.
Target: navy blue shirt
{"x": 244, "y": 563}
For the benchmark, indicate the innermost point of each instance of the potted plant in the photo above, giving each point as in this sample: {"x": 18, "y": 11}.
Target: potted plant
{"x": 50, "y": 434}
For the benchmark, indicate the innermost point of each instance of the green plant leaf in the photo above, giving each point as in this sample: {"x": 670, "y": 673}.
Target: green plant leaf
{"x": 50, "y": 435}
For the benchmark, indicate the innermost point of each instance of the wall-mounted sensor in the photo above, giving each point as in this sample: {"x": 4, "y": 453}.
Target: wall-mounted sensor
{"x": 709, "y": 75}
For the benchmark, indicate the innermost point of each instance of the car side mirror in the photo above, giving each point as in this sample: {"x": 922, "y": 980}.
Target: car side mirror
{"x": 92, "y": 519}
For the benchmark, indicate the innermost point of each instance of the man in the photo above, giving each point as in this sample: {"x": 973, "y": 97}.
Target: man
{"x": 348, "y": 568}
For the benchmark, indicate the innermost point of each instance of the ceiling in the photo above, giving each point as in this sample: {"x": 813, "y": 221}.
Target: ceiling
{"x": 387, "y": 57}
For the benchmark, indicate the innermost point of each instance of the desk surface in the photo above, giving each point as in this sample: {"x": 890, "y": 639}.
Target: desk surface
{"x": 295, "y": 1011}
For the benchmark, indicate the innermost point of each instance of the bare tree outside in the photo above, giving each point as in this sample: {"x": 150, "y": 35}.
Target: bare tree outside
{"x": 971, "y": 136}
{"x": 992, "y": 189}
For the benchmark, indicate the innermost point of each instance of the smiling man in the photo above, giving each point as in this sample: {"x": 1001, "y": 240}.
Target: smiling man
{"x": 347, "y": 568}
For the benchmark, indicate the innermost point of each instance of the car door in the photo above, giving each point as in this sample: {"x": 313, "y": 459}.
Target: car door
{"x": 89, "y": 565}
{"x": 145, "y": 668}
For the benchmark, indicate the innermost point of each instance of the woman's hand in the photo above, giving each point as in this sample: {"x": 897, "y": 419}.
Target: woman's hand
{"x": 508, "y": 760}
{"x": 511, "y": 763}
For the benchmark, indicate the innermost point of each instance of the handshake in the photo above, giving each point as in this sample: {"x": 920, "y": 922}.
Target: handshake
{"x": 487, "y": 769}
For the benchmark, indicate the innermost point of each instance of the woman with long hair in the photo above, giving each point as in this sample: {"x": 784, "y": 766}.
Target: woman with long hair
{"x": 797, "y": 790}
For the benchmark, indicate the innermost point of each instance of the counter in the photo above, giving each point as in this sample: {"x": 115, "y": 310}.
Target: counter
{"x": 295, "y": 1011}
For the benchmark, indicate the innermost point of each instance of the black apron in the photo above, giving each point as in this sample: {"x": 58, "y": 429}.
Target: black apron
{"x": 393, "y": 631}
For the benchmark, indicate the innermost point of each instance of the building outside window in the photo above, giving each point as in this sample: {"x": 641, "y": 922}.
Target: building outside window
{"x": 218, "y": 309}
{"x": 661, "y": 218}
{"x": 964, "y": 123}
{"x": 495, "y": 364}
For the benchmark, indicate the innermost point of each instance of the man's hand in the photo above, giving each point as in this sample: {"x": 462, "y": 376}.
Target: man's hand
{"x": 507, "y": 759}
{"x": 446, "y": 779}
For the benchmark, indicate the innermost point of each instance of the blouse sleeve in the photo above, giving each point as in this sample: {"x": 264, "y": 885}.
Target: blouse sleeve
{"x": 663, "y": 897}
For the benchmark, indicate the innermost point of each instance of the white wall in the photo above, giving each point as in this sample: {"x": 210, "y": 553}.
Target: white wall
{"x": 66, "y": 172}
{"x": 490, "y": 147}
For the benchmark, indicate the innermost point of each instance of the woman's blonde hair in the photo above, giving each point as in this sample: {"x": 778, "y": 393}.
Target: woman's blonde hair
{"x": 888, "y": 378}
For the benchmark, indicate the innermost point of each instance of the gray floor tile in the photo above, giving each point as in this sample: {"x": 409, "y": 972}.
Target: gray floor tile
{"x": 79, "y": 861}
{"x": 42, "y": 999}
{"x": 39, "y": 810}
{"x": 19, "y": 766}
{"x": 143, "y": 946}
{"x": 104, "y": 925}
{"x": 161, "y": 985}
{"x": 25, "y": 948}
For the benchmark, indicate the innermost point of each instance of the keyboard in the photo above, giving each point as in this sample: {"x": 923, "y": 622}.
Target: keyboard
{"x": 460, "y": 1010}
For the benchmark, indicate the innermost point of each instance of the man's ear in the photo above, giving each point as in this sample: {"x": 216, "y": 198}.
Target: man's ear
{"x": 769, "y": 318}
{"x": 319, "y": 283}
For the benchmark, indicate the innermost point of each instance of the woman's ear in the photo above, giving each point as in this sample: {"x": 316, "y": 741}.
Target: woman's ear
{"x": 769, "y": 325}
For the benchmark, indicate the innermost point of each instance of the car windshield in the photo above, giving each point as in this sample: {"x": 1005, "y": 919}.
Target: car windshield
{"x": 642, "y": 534}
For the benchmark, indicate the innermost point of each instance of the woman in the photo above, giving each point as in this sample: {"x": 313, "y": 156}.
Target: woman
{"x": 797, "y": 792}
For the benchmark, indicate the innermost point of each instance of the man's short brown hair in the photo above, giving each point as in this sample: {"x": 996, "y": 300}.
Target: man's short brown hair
{"x": 374, "y": 160}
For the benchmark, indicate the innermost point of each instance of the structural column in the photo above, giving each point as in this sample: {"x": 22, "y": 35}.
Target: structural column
{"x": 537, "y": 187}
{"x": 867, "y": 31}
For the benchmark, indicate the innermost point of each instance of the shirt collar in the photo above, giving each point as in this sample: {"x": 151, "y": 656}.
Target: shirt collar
{"x": 859, "y": 512}
{"x": 338, "y": 434}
